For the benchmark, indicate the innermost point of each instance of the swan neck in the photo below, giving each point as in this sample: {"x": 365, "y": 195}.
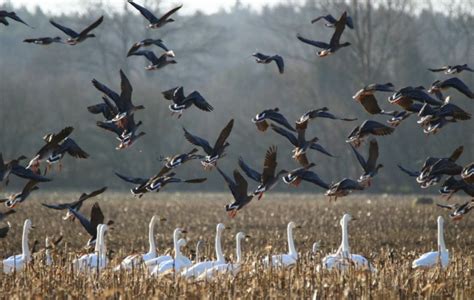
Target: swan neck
{"x": 151, "y": 237}
{"x": 24, "y": 243}
{"x": 291, "y": 242}
{"x": 102, "y": 248}
{"x": 175, "y": 242}
{"x": 219, "y": 255}
{"x": 97, "y": 238}
{"x": 345, "y": 238}
{"x": 441, "y": 244}
{"x": 239, "y": 250}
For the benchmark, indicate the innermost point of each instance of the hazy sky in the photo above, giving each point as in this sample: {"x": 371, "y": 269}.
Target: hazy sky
{"x": 189, "y": 6}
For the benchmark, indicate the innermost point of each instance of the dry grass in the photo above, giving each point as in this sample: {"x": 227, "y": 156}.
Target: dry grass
{"x": 391, "y": 231}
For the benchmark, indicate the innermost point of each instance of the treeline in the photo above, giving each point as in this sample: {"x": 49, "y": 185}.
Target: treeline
{"x": 43, "y": 89}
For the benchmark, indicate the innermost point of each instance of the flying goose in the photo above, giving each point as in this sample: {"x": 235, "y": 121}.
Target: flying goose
{"x": 267, "y": 179}
{"x": 154, "y": 21}
{"x": 295, "y": 177}
{"x": 13, "y": 167}
{"x": 12, "y": 15}
{"x": 123, "y": 101}
{"x": 14, "y": 199}
{"x": 266, "y": 59}
{"x": 331, "y": 21}
{"x": 239, "y": 189}
{"x": 262, "y": 119}
{"x": 182, "y": 102}
{"x": 370, "y": 165}
{"x": 156, "y": 63}
{"x": 458, "y": 210}
{"x": 334, "y": 43}
{"x": 366, "y": 97}
{"x": 175, "y": 161}
{"x": 215, "y": 152}
{"x": 368, "y": 127}
{"x": 149, "y": 42}
{"x": 44, "y": 41}
{"x": 453, "y": 185}
{"x": 75, "y": 205}
{"x": 454, "y": 83}
{"x": 453, "y": 69}
{"x": 343, "y": 188}
{"x": 75, "y": 37}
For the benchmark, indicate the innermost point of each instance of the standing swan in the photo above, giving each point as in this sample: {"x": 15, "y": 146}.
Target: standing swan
{"x": 199, "y": 268}
{"x": 228, "y": 268}
{"x": 433, "y": 258}
{"x": 152, "y": 263}
{"x": 343, "y": 258}
{"x": 285, "y": 260}
{"x": 177, "y": 264}
{"x": 135, "y": 260}
{"x": 17, "y": 262}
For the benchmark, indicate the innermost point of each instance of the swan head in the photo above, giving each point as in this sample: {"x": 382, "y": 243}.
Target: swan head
{"x": 346, "y": 218}
{"x": 240, "y": 236}
{"x": 440, "y": 221}
{"x": 155, "y": 219}
{"x": 27, "y": 225}
{"x": 220, "y": 227}
{"x": 293, "y": 225}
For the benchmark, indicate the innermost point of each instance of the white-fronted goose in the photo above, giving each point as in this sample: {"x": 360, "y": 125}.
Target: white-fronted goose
{"x": 239, "y": 190}
{"x": 367, "y": 128}
{"x": 78, "y": 37}
{"x": 266, "y": 59}
{"x": 154, "y": 21}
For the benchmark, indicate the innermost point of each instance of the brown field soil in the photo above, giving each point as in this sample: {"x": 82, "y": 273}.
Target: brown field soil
{"x": 390, "y": 231}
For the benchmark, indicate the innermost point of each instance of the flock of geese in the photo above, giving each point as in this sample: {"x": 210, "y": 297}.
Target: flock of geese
{"x": 434, "y": 110}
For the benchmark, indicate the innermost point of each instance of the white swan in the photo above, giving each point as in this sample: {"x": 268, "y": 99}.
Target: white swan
{"x": 135, "y": 260}
{"x": 47, "y": 253}
{"x": 228, "y": 268}
{"x": 152, "y": 263}
{"x": 343, "y": 258}
{"x": 178, "y": 263}
{"x": 285, "y": 260}
{"x": 434, "y": 258}
{"x": 18, "y": 262}
{"x": 98, "y": 259}
{"x": 199, "y": 268}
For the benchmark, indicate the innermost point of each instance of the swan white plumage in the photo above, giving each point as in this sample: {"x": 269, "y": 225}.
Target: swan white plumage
{"x": 343, "y": 259}
{"x": 18, "y": 262}
{"x": 284, "y": 260}
{"x": 47, "y": 253}
{"x": 228, "y": 268}
{"x": 199, "y": 268}
{"x": 152, "y": 263}
{"x": 98, "y": 259}
{"x": 434, "y": 258}
{"x": 178, "y": 263}
{"x": 135, "y": 260}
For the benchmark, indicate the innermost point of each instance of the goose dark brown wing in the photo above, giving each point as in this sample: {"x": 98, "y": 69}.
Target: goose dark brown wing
{"x": 318, "y": 44}
{"x": 456, "y": 153}
{"x": 360, "y": 158}
{"x": 251, "y": 173}
{"x": 270, "y": 164}
{"x": 340, "y": 26}
{"x": 373, "y": 155}
{"x": 169, "y": 13}
{"x": 280, "y": 63}
{"x": 241, "y": 185}
{"x": 376, "y": 128}
{"x": 92, "y": 26}
{"x": 198, "y": 100}
{"x": 25, "y": 173}
{"x": 86, "y": 196}
{"x": 72, "y": 148}
{"x": 409, "y": 172}
{"x": 313, "y": 178}
{"x": 197, "y": 141}
{"x": 290, "y": 136}
{"x": 134, "y": 180}
{"x": 65, "y": 29}
{"x": 126, "y": 92}
{"x": 370, "y": 104}
{"x": 145, "y": 12}
{"x": 224, "y": 135}
{"x": 97, "y": 217}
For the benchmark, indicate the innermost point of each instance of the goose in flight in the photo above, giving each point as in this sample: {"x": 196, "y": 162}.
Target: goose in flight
{"x": 154, "y": 21}
{"x": 78, "y": 37}
{"x": 213, "y": 153}
{"x": 44, "y": 41}
{"x": 334, "y": 43}
{"x": 262, "y": 119}
{"x": 12, "y": 15}
{"x": 182, "y": 102}
{"x": 239, "y": 189}
{"x": 331, "y": 21}
{"x": 267, "y": 59}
